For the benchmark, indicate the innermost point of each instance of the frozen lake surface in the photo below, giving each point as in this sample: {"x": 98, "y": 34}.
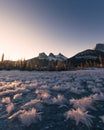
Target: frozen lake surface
{"x": 69, "y": 100}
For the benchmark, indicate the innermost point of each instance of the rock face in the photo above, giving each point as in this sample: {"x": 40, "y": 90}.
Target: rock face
{"x": 42, "y": 56}
{"x": 100, "y": 47}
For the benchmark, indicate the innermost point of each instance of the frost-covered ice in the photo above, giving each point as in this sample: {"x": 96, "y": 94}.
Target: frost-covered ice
{"x": 52, "y": 100}
{"x": 79, "y": 116}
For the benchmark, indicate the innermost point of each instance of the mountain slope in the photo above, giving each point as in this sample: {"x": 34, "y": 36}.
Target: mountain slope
{"x": 87, "y": 57}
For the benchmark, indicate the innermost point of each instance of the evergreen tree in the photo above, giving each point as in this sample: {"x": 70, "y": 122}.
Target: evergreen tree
{"x": 2, "y": 58}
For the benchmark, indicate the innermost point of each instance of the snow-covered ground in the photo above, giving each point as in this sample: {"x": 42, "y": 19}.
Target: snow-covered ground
{"x": 71, "y": 100}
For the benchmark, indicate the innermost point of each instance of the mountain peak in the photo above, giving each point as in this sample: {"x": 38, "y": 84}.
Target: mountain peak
{"x": 61, "y": 56}
{"x": 51, "y": 55}
{"x": 99, "y": 47}
{"x": 42, "y": 56}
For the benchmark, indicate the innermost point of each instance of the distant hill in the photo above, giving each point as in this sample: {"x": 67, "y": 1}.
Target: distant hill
{"x": 87, "y": 58}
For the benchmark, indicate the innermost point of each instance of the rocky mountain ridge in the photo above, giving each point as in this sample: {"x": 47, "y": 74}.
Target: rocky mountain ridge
{"x": 51, "y": 57}
{"x": 85, "y": 59}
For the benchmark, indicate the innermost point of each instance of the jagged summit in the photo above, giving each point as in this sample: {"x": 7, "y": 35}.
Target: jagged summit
{"x": 51, "y": 56}
{"x": 61, "y": 56}
{"x": 99, "y": 47}
{"x": 42, "y": 56}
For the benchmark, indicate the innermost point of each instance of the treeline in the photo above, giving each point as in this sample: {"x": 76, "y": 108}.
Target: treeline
{"x": 27, "y": 65}
{"x": 40, "y": 65}
{"x": 86, "y": 63}
{"x": 33, "y": 64}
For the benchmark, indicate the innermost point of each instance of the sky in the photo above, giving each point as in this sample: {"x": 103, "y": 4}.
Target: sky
{"x": 29, "y": 27}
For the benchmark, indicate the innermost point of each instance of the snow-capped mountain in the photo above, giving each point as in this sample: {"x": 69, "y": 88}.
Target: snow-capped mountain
{"x": 42, "y": 56}
{"x": 91, "y": 54}
{"x": 51, "y": 56}
{"x": 61, "y": 57}
{"x": 88, "y": 54}
{"x": 89, "y": 57}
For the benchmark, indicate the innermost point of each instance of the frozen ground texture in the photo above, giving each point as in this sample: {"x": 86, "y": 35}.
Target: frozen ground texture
{"x": 72, "y": 100}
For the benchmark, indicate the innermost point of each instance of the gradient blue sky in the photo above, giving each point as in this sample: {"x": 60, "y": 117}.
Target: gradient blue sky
{"x": 28, "y": 27}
